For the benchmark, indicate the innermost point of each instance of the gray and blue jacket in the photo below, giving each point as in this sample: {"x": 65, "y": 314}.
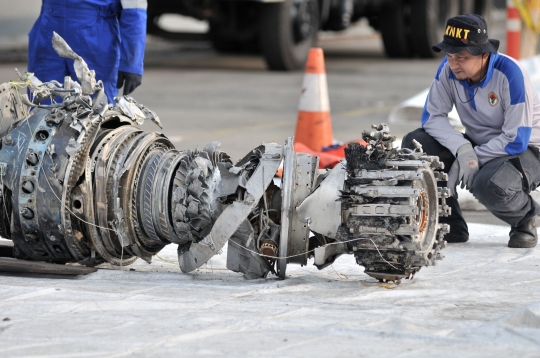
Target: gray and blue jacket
{"x": 501, "y": 113}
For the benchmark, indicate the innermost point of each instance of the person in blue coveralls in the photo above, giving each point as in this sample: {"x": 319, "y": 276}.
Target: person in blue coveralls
{"x": 497, "y": 158}
{"x": 110, "y": 35}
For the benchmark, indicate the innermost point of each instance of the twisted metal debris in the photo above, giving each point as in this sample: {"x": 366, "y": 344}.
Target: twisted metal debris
{"x": 80, "y": 182}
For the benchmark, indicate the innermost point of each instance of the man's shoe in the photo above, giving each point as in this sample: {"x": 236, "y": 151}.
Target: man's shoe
{"x": 524, "y": 235}
{"x": 456, "y": 237}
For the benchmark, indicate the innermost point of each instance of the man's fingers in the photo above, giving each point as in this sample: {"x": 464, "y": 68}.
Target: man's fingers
{"x": 132, "y": 86}
{"x": 464, "y": 180}
{"x": 453, "y": 178}
{"x": 120, "y": 81}
{"x": 468, "y": 184}
{"x": 128, "y": 88}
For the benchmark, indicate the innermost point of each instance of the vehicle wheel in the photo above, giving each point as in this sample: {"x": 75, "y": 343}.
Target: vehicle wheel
{"x": 233, "y": 43}
{"x": 340, "y": 15}
{"x": 480, "y": 7}
{"x": 466, "y": 6}
{"x": 152, "y": 15}
{"x": 222, "y": 43}
{"x": 234, "y": 28}
{"x": 429, "y": 20}
{"x": 288, "y": 30}
{"x": 396, "y": 30}
{"x": 484, "y": 7}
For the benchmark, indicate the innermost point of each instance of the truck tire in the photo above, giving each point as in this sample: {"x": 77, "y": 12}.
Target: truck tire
{"x": 466, "y": 6}
{"x": 285, "y": 46}
{"x": 233, "y": 43}
{"x": 480, "y": 7}
{"x": 396, "y": 30}
{"x": 339, "y": 16}
{"x": 428, "y": 19}
{"x": 484, "y": 7}
{"x": 234, "y": 27}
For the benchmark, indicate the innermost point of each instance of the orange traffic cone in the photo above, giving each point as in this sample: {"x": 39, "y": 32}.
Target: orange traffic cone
{"x": 314, "y": 126}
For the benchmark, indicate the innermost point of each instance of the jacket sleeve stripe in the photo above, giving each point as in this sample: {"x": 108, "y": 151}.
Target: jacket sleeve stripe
{"x": 425, "y": 113}
{"x": 134, "y": 4}
{"x": 440, "y": 68}
{"x": 521, "y": 142}
{"x": 514, "y": 75}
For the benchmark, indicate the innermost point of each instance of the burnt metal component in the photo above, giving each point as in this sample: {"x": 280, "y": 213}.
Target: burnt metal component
{"x": 391, "y": 213}
{"x": 233, "y": 216}
{"x": 193, "y": 196}
{"x": 6, "y": 248}
{"x": 56, "y": 116}
{"x": 304, "y": 176}
{"x": 137, "y": 111}
{"x": 87, "y": 187}
{"x": 86, "y": 76}
{"x": 322, "y": 209}
{"x": 286, "y": 206}
{"x": 241, "y": 254}
{"x": 88, "y": 180}
{"x": 81, "y": 182}
{"x": 114, "y": 193}
{"x": 12, "y": 108}
{"x": 268, "y": 249}
{"x": 21, "y": 266}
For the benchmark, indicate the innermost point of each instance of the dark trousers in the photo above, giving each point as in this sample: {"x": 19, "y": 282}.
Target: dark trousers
{"x": 502, "y": 185}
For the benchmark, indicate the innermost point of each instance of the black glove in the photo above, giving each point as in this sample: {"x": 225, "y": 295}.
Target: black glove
{"x": 129, "y": 80}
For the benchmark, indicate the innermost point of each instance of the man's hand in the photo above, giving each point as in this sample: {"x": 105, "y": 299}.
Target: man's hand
{"x": 464, "y": 169}
{"x": 130, "y": 81}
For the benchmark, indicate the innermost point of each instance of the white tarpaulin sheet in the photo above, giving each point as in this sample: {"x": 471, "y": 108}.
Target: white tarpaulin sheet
{"x": 483, "y": 299}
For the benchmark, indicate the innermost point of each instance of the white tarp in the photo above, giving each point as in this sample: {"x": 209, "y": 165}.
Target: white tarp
{"x": 483, "y": 299}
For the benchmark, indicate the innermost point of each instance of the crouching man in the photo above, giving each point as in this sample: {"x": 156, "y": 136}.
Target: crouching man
{"x": 497, "y": 158}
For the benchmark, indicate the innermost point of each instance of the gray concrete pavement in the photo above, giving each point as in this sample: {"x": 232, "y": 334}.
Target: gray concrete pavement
{"x": 16, "y": 20}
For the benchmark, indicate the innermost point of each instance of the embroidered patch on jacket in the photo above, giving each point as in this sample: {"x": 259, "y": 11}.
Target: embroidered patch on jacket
{"x": 493, "y": 99}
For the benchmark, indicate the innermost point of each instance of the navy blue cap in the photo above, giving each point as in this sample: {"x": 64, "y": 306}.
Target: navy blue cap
{"x": 467, "y": 32}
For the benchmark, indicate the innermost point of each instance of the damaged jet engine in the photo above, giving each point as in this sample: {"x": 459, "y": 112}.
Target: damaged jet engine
{"x": 80, "y": 182}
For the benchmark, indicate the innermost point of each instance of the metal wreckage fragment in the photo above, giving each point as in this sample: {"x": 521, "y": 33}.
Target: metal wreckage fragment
{"x": 82, "y": 183}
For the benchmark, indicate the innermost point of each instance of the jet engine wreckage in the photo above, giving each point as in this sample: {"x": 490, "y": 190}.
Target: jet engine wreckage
{"x": 80, "y": 182}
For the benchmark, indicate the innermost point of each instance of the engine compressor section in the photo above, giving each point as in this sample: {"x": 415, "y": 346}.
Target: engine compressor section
{"x": 81, "y": 182}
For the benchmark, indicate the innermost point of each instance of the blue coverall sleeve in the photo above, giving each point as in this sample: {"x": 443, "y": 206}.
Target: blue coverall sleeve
{"x": 132, "y": 35}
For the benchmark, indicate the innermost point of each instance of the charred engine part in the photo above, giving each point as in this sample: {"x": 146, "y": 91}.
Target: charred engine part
{"x": 93, "y": 187}
{"x": 391, "y": 202}
{"x": 381, "y": 204}
{"x": 80, "y": 182}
